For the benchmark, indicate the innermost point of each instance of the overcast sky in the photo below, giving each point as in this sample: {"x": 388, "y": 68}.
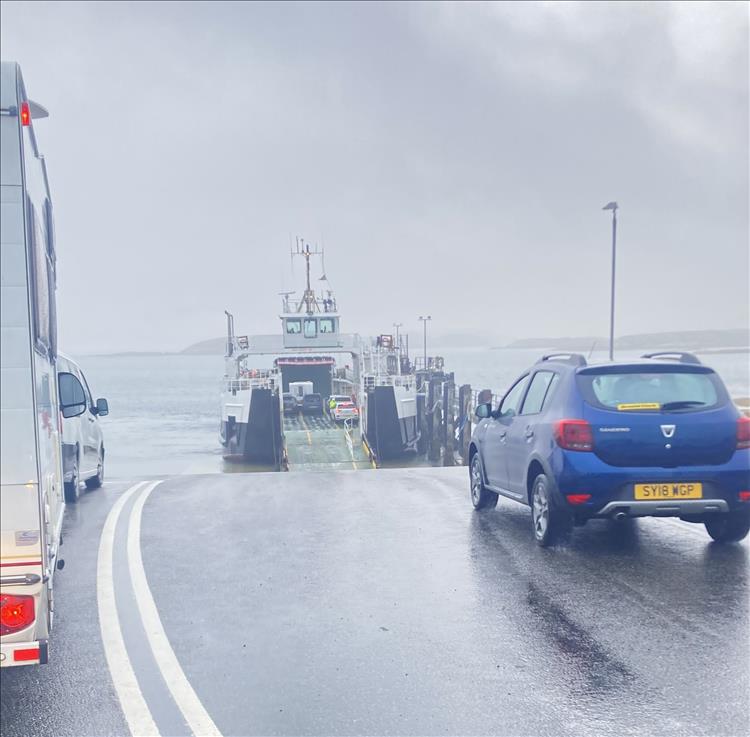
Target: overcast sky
{"x": 453, "y": 158}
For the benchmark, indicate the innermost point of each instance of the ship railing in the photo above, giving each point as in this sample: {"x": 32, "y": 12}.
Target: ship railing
{"x": 373, "y": 380}
{"x": 252, "y": 379}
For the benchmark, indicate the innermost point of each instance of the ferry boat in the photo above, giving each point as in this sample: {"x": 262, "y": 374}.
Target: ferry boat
{"x": 311, "y": 348}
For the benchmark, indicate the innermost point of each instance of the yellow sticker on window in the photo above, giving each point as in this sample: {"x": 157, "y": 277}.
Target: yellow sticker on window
{"x": 639, "y": 405}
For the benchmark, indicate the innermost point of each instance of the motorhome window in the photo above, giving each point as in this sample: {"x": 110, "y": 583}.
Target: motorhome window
{"x": 311, "y": 327}
{"x": 293, "y": 327}
{"x": 326, "y": 325}
{"x": 40, "y": 281}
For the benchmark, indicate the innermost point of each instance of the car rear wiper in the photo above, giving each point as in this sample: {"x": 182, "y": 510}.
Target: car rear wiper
{"x": 682, "y": 404}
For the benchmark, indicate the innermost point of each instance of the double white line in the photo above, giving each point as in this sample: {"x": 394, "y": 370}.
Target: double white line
{"x": 134, "y": 706}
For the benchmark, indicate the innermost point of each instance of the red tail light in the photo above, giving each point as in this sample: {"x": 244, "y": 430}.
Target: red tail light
{"x": 574, "y": 435}
{"x": 743, "y": 432}
{"x": 25, "y": 114}
{"x": 578, "y": 498}
{"x": 16, "y": 612}
{"x": 744, "y": 496}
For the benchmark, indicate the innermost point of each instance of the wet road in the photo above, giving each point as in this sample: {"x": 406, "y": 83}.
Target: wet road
{"x": 380, "y": 603}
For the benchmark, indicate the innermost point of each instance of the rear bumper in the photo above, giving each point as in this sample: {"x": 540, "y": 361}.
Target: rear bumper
{"x": 12, "y": 654}
{"x": 683, "y": 508}
{"x": 612, "y": 487}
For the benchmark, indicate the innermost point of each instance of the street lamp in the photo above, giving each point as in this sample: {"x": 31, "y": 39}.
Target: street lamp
{"x": 612, "y": 206}
{"x": 425, "y": 320}
{"x": 397, "y": 325}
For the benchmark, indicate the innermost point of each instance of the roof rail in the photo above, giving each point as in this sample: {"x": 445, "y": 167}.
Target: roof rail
{"x": 680, "y": 356}
{"x": 576, "y": 359}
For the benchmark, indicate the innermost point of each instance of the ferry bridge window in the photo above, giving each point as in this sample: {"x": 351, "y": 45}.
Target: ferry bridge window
{"x": 293, "y": 327}
{"x": 326, "y": 325}
{"x": 311, "y": 327}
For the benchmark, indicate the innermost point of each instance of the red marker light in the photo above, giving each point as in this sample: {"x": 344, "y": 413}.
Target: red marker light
{"x": 26, "y": 654}
{"x": 578, "y": 498}
{"x": 25, "y": 114}
{"x": 744, "y": 496}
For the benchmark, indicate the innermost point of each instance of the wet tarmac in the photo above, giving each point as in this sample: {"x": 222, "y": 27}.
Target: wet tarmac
{"x": 351, "y": 603}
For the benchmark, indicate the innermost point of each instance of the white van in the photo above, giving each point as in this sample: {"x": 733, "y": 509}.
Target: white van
{"x": 298, "y": 389}
{"x": 82, "y": 439}
{"x": 31, "y": 484}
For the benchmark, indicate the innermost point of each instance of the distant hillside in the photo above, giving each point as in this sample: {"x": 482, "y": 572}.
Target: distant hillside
{"x": 689, "y": 340}
{"x": 212, "y": 347}
{"x": 685, "y": 340}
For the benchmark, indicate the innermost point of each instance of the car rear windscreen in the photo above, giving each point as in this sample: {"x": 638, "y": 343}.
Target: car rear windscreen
{"x": 663, "y": 389}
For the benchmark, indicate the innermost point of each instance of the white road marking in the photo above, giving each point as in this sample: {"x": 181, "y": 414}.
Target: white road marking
{"x": 134, "y": 707}
{"x": 185, "y": 697}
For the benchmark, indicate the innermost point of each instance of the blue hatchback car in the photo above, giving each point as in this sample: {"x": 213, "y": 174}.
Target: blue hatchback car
{"x": 655, "y": 437}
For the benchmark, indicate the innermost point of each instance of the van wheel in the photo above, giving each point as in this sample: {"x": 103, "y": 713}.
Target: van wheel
{"x": 96, "y": 481}
{"x": 728, "y": 528}
{"x": 73, "y": 487}
{"x": 552, "y": 524}
{"x": 481, "y": 497}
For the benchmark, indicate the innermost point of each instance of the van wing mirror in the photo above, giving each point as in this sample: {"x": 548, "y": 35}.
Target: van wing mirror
{"x": 102, "y": 408}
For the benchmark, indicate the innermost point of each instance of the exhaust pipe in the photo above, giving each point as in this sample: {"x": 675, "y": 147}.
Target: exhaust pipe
{"x": 620, "y": 515}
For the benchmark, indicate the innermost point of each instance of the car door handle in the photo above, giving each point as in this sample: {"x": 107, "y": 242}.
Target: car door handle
{"x": 502, "y": 435}
{"x": 529, "y": 433}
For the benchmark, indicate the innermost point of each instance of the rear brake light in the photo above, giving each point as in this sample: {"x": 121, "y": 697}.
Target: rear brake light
{"x": 16, "y": 612}
{"x": 578, "y": 498}
{"x": 574, "y": 435}
{"x": 25, "y": 114}
{"x": 743, "y": 432}
{"x": 744, "y": 496}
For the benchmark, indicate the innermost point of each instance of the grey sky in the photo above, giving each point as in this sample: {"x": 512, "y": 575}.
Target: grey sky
{"x": 454, "y": 158}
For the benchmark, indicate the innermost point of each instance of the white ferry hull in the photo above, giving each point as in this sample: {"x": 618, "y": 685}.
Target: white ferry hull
{"x": 251, "y": 426}
{"x": 390, "y": 422}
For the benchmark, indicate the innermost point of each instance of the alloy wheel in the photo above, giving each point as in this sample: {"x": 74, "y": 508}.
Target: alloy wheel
{"x": 540, "y": 510}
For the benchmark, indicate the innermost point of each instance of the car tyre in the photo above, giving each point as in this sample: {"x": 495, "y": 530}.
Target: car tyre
{"x": 96, "y": 481}
{"x": 481, "y": 496}
{"x": 551, "y": 523}
{"x": 728, "y": 528}
{"x": 73, "y": 487}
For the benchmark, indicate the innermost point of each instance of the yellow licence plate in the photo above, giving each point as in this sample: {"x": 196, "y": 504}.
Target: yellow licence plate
{"x": 645, "y": 492}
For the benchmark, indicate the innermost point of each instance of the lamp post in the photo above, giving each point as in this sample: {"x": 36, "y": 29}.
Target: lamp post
{"x": 424, "y": 321}
{"x": 397, "y": 325}
{"x": 612, "y": 206}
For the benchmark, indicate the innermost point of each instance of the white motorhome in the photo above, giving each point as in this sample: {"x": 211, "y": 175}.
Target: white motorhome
{"x": 31, "y": 483}
{"x": 298, "y": 389}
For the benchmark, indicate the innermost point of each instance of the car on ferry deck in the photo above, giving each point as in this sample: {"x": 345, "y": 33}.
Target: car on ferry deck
{"x": 312, "y": 404}
{"x": 655, "y": 437}
{"x": 345, "y": 411}
{"x": 334, "y": 399}
{"x": 289, "y": 404}
{"x": 82, "y": 437}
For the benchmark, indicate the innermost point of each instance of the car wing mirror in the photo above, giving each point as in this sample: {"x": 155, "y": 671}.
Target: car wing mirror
{"x": 102, "y": 408}
{"x": 483, "y": 411}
